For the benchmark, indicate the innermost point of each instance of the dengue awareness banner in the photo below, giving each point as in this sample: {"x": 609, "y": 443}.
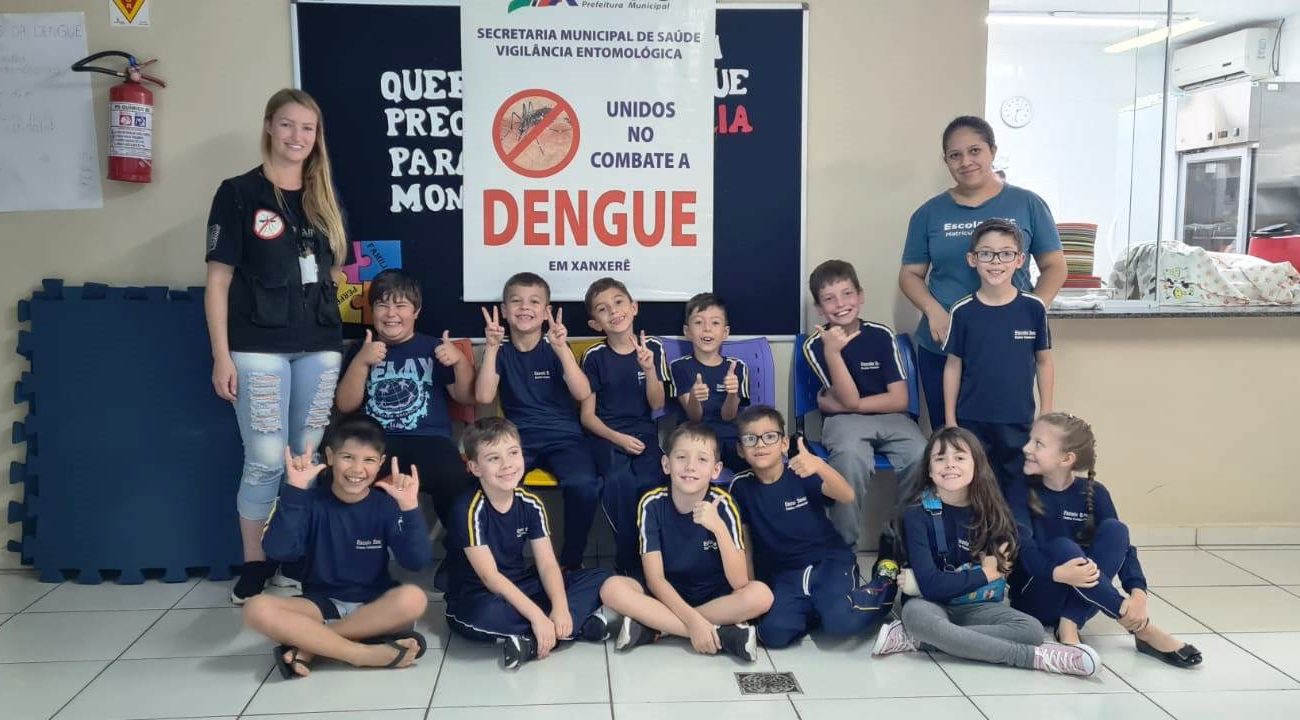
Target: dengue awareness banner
{"x": 588, "y": 144}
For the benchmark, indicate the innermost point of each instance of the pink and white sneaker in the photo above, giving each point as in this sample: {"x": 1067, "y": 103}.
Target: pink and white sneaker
{"x": 1078, "y": 659}
{"x": 894, "y": 638}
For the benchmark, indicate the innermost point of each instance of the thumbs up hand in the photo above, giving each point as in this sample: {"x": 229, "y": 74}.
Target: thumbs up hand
{"x": 447, "y": 353}
{"x": 834, "y": 338}
{"x": 699, "y": 390}
{"x": 372, "y": 351}
{"x": 806, "y": 463}
{"x": 705, "y": 514}
{"x": 730, "y": 382}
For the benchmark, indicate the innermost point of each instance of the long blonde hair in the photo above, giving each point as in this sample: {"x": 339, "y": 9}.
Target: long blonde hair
{"x": 318, "y": 199}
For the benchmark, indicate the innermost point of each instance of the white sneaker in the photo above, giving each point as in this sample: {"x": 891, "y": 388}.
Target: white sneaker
{"x": 894, "y": 638}
{"x": 1078, "y": 659}
{"x": 283, "y": 581}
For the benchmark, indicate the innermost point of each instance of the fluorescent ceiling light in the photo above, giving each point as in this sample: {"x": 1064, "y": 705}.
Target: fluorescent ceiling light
{"x": 1158, "y": 35}
{"x": 1062, "y": 18}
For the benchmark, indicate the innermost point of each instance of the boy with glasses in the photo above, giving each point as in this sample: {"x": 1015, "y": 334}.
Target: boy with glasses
{"x": 812, "y": 572}
{"x": 998, "y": 348}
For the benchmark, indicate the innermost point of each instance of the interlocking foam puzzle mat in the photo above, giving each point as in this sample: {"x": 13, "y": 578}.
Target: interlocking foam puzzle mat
{"x": 132, "y": 461}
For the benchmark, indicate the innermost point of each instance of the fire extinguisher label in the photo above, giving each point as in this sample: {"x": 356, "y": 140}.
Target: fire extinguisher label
{"x": 130, "y": 130}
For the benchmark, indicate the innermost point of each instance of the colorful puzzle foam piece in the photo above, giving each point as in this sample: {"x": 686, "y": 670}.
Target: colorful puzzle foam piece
{"x": 349, "y": 295}
{"x": 373, "y": 257}
{"x": 380, "y": 255}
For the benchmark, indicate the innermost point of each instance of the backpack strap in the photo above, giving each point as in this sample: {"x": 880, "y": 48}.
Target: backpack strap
{"x": 932, "y": 505}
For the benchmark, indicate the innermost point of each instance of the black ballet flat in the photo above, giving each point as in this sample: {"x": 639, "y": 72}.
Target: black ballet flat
{"x": 1184, "y": 657}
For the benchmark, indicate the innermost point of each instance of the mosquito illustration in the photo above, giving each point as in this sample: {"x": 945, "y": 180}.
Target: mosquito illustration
{"x": 530, "y": 117}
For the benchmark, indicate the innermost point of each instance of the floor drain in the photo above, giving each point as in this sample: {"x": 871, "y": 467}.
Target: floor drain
{"x": 767, "y": 683}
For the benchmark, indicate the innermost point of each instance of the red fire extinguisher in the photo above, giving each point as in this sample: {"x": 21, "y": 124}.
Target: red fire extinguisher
{"x": 130, "y": 117}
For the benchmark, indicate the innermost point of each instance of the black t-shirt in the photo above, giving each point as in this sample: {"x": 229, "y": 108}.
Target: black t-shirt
{"x": 272, "y": 306}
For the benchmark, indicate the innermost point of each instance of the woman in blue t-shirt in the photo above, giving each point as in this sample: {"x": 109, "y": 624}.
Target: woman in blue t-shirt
{"x": 935, "y": 273}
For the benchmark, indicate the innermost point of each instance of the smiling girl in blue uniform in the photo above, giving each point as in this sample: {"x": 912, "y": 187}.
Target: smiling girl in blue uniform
{"x": 1078, "y": 545}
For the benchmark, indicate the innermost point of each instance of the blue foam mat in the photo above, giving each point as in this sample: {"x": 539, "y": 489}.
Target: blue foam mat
{"x": 132, "y": 460}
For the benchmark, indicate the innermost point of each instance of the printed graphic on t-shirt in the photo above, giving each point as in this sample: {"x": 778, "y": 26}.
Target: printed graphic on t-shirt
{"x": 399, "y": 397}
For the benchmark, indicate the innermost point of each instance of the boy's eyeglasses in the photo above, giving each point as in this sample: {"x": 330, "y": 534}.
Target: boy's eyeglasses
{"x": 1006, "y": 256}
{"x": 769, "y": 438}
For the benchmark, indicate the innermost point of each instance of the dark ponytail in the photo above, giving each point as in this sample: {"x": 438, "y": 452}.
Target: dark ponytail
{"x": 1090, "y": 522}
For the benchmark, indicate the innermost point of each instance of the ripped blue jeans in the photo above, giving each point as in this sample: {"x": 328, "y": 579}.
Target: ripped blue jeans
{"x": 282, "y": 399}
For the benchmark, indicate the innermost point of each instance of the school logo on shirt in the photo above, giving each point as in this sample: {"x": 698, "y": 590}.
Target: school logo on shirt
{"x": 1072, "y": 516}
{"x": 964, "y": 229}
{"x": 795, "y": 504}
{"x": 710, "y": 544}
{"x": 1026, "y": 334}
{"x": 374, "y": 544}
{"x": 869, "y": 365}
{"x": 521, "y": 532}
{"x": 267, "y": 224}
{"x": 541, "y": 374}
{"x": 963, "y": 544}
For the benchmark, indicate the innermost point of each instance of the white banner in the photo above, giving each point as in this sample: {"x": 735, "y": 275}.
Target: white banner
{"x": 589, "y": 144}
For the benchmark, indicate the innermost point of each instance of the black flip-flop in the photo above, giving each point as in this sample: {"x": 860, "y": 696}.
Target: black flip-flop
{"x": 286, "y": 667}
{"x": 1184, "y": 657}
{"x": 402, "y": 650}
{"x": 404, "y": 635}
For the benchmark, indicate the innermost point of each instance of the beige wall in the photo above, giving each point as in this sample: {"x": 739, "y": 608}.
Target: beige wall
{"x": 1183, "y": 407}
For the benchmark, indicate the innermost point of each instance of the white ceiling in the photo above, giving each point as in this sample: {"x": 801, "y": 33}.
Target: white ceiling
{"x": 1227, "y": 15}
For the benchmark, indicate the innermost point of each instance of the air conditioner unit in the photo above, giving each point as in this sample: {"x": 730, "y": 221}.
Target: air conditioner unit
{"x": 1242, "y": 54}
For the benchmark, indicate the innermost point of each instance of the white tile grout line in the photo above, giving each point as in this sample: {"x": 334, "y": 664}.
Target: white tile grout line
{"x": 124, "y": 650}
{"x": 1224, "y": 559}
{"x": 442, "y": 663}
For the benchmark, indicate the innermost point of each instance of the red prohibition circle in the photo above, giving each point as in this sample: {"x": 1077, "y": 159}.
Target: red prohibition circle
{"x": 535, "y": 133}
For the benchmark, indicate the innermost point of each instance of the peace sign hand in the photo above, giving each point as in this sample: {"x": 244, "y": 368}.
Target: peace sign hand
{"x": 447, "y": 353}
{"x": 405, "y": 489}
{"x": 730, "y": 382}
{"x": 557, "y": 334}
{"x": 492, "y": 328}
{"x": 834, "y": 339}
{"x": 300, "y": 471}
{"x": 645, "y": 357}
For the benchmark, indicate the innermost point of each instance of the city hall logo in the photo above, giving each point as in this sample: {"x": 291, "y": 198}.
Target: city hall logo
{"x": 517, "y": 4}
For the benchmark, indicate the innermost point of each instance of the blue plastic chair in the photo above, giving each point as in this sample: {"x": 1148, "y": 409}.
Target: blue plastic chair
{"x": 804, "y": 386}
{"x": 756, "y": 353}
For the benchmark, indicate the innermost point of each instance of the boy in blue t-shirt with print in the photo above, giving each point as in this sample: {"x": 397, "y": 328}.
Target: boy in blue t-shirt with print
{"x": 710, "y": 387}
{"x": 494, "y": 593}
{"x": 627, "y": 375}
{"x": 863, "y": 399}
{"x": 998, "y": 347}
{"x": 540, "y": 382}
{"x": 812, "y": 572}
{"x": 403, "y": 379}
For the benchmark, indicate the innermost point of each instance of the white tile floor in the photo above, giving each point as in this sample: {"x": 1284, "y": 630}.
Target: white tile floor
{"x": 180, "y": 651}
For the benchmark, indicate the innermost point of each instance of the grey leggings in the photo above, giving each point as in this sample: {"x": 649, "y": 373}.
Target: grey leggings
{"x": 989, "y": 632}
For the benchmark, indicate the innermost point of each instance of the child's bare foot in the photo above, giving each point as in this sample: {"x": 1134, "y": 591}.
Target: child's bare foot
{"x": 393, "y": 654}
{"x": 293, "y": 663}
{"x": 1067, "y": 633}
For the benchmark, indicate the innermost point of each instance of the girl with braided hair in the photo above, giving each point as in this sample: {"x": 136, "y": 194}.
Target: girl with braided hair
{"x": 1073, "y": 544}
